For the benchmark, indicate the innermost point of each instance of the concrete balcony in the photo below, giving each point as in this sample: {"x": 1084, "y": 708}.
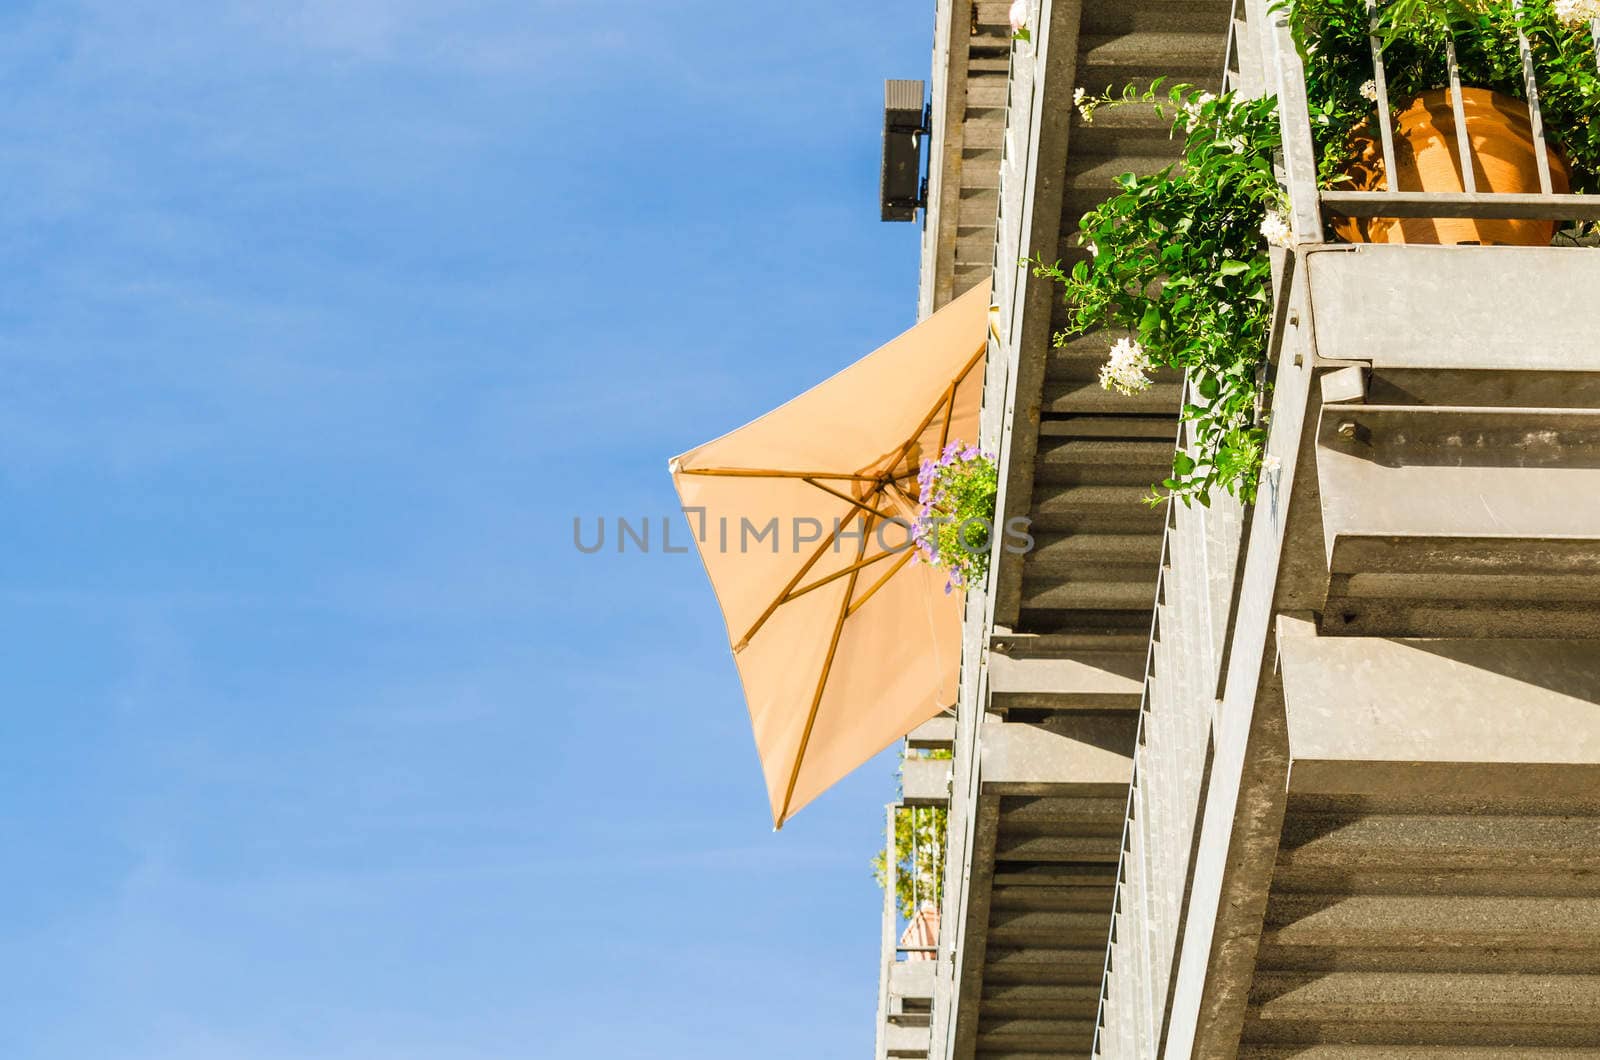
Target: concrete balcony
{"x": 1397, "y": 831}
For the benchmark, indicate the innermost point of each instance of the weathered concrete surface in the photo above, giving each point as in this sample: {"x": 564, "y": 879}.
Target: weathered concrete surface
{"x": 1019, "y": 759}
{"x": 1484, "y": 308}
{"x": 925, "y": 781}
{"x": 1452, "y": 705}
{"x": 935, "y": 734}
{"x": 1086, "y": 680}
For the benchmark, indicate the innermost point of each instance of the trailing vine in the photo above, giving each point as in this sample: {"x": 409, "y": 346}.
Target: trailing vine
{"x": 1177, "y": 267}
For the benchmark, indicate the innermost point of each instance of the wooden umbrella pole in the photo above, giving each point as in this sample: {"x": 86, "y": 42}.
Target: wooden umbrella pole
{"x": 905, "y": 497}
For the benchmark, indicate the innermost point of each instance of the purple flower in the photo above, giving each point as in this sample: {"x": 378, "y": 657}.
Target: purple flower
{"x": 953, "y": 490}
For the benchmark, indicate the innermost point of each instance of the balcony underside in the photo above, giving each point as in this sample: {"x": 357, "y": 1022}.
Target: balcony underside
{"x": 1049, "y": 812}
{"x": 1462, "y": 520}
{"x": 1437, "y": 879}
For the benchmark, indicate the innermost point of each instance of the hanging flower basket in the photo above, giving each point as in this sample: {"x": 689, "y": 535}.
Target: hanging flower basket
{"x": 955, "y": 517}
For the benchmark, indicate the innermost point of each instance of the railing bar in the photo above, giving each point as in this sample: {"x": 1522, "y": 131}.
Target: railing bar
{"x": 1469, "y": 182}
{"x": 916, "y": 863}
{"x": 1594, "y": 35}
{"x": 1380, "y": 79}
{"x": 1535, "y": 115}
{"x": 1502, "y": 206}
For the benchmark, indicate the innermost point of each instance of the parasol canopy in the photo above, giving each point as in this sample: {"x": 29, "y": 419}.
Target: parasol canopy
{"x": 803, "y": 519}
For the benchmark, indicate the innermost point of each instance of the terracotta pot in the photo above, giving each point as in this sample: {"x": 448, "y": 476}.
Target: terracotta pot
{"x": 922, "y": 932}
{"x": 1428, "y": 159}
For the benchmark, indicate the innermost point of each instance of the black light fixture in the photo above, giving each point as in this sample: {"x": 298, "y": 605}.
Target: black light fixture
{"x": 901, "y": 189}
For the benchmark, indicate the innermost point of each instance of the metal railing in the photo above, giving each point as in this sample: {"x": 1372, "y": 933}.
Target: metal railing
{"x": 893, "y": 950}
{"x": 1196, "y": 598}
{"x": 1285, "y": 74}
{"x": 889, "y": 936}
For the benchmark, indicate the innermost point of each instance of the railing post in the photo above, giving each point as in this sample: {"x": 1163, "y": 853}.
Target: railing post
{"x": 1294, "y": 119}
{"x": 889, "y": 955}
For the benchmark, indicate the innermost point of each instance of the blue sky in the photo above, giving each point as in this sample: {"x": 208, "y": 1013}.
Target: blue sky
{"x": 320, "y": 322}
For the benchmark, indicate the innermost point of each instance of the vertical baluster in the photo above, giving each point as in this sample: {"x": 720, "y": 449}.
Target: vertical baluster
{"x": 916, "y": 865}
{"x": 1391, "y": 177}
{"x": 1469, "y": 182}
{"x": 1231, "y": 52}
{"x": 1594, "y": 35}
{"x": 1535, "y": 115}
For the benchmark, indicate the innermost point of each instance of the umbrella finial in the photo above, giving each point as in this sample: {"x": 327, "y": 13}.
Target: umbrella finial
{"x": 674, "y": 466}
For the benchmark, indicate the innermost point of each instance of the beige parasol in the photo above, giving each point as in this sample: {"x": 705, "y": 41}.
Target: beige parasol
{"x": 843, "y": 643}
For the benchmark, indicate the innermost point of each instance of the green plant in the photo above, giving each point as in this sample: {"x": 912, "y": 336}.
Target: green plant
{"x": 919, "y": 843}
{"x": 1177, "y": 260}
{"x": 955, "y": 518}
{"x": 1333, "y": 37}
{"x": 1178, "y": 265}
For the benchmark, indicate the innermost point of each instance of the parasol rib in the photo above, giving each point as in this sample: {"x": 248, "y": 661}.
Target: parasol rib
{"x": 822, "y": 681}
{"x": 875, "y": 586}
{"x": 766, "y": 472}
{"x": 862, "y": 504}
{"x": 933, "y": 412}
{"x": 949, "y": 414}
{"x": 836, "y": 575}
{"x": 799, "y": 574}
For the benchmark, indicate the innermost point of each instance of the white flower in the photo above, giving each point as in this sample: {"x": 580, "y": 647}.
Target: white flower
{"x": 1275, "y": 229}
{"x": 1191, "y": 110}
{"x": 1124, "y": 371}
{"x": 1019, "y": 15}
{"x": 1271, "y": 465}
{"x": 1576, "y": 13}
{"x": 1084, "y": 104}
{"x": 1369, "y": 91}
